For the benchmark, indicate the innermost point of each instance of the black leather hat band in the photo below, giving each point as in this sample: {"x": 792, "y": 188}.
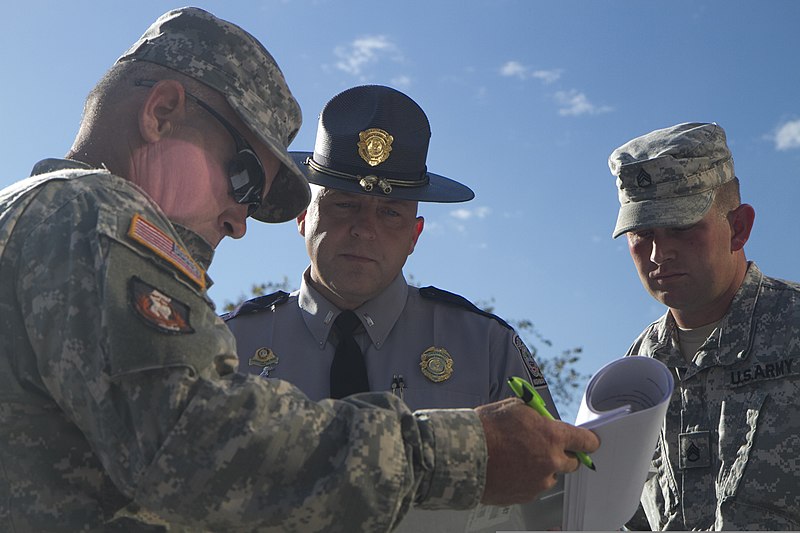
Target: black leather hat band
{"x": 369, "y": 181}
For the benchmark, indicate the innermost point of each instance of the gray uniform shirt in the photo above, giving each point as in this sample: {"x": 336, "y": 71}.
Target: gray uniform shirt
{"x": 119, "y": 400}
{"x": 290, "y": 338}
{"x": 728, "y": 456}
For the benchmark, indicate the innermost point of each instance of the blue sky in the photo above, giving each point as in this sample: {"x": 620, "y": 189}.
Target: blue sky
{"x": 526, "y": 99}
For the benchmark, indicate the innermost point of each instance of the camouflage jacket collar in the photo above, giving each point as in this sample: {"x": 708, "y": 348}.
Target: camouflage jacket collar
{"x": 54, "y": 164}
{"x": 198, "y": 247}
{"x": 735, "y": 334}
{"x": 729, "y": 343}
{"x": 200, "y": 250}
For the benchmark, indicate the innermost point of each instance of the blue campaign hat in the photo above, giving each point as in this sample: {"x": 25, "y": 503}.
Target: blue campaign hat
{"x": 374, "y": 140}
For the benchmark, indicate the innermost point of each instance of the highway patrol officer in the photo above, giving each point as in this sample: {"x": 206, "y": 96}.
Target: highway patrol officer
{"x": 430, "y": 347}
{"x": 727, "y": 457}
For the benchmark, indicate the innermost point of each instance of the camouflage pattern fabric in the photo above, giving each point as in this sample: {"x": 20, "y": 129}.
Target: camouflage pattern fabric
{"x": 120, "y": 409}
{"x": 727, "y": 456}
{"x": 667, "y": 177}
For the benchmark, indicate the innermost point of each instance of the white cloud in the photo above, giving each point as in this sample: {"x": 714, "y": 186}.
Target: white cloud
{"x": 574, "y": 103}
{"x": 515, "y": 68}
{"x": 512, "y": 68}
{"x": 401, "y": 81}
{"x": 547, "y": 76}
{"x": 466, "y": 214}
{"x": 362, "y": 52}
{"x": 788, "y": 136}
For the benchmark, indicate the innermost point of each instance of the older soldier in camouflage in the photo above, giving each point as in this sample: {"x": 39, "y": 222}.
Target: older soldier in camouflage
{"x": 727, "y": 455}
{"x": 120, "y": 407}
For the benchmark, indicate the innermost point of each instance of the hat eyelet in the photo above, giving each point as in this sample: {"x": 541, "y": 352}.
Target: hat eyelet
{"x": 385, "y": 187}
{"x": 367, "y": 183}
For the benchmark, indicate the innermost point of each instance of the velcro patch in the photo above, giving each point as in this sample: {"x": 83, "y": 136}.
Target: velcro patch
{"x": 151, "y": 237}
{"x": 695, "y": 449}
{"x": 761, "y": 371}
{"x": 157, "y": 309}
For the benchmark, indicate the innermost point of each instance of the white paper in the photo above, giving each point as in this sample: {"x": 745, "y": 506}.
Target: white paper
{"x": 625, "y": 403}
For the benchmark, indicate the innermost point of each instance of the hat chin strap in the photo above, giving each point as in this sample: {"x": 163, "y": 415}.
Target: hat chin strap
{"x": 367, "y": 182}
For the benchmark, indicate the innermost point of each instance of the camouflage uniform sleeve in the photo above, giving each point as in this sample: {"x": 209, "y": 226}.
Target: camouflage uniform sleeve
{"x": 235, "y": 453}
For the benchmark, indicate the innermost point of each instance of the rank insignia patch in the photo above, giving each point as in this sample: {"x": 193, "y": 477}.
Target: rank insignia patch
{"x": 643, "y": 179}
{"x": 153, "y": 238}
{"x": 157, "y": 309}
{"x": 694, "y": 449}
{"x": 436, "y": 364}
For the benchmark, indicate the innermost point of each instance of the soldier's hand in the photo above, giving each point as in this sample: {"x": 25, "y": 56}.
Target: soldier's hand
{"x": 526, "y": 451}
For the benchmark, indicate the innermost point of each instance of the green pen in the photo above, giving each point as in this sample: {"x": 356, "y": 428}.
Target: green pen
{"x": 528, "y": 394}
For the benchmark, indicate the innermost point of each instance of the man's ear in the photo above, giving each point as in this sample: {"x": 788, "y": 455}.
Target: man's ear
{"x": 418, "y": 226}
{"x": 164, "y": 107}
{"x": 741, "y": 221}
{"x": 301, "y": 223}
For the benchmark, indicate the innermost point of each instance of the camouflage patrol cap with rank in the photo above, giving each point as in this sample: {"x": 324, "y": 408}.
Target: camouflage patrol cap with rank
{"x": 228, "y": 59}
{"x": 374, "y": 140}
{"x": 667, "y": 177}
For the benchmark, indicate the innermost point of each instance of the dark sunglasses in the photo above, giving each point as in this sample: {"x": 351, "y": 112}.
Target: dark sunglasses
{"x": 245, "y": 171}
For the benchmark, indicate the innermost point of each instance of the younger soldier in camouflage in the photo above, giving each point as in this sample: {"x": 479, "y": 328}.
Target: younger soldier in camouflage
{"x": 727, "y": 454}
{"x": 120, "y": 407}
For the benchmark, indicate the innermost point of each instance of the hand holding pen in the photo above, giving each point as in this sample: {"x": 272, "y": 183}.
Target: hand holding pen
{"x": 526, "y": 451}
{"x": 528, "y": 394}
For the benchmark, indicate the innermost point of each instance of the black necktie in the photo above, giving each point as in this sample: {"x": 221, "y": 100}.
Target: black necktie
{"x": 348, "y": 371}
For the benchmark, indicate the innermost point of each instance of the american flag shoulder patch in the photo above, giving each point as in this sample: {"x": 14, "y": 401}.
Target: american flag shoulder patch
{"x": 153, "y": 238}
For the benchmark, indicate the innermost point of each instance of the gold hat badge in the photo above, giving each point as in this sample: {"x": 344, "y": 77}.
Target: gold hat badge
{"x": 374, "y": 146}
{"x": 436, "y": 364}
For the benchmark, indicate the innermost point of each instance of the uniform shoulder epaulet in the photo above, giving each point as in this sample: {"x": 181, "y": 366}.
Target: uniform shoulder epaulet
{"x": 441, "y": 295}
{"x": 260, "y": 303}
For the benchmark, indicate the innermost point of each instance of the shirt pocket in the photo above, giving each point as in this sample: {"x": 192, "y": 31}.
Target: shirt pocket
{"x": 660, "y": 496}
{"x": 757, "y": 484}
{"x": 439, "y": 398}
{"x": 735, "y": 515}
{"x": 738, "y": 425}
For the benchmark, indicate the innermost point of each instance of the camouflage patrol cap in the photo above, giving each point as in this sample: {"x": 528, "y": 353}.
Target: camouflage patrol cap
{"x": 231, "y": 61}
{"x": 668, "y": 176}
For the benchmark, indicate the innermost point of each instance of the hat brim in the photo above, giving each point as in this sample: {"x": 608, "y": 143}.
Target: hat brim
{"x": 287, "y": 197}
{"x": 289, "y": 194}
{"x": 668, "y": 212}
{"x": 438, "y": 189}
